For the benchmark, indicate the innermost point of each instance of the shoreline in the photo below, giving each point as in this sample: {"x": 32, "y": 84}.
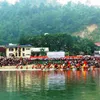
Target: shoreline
{"x": 20, "y": 70}
{"x": 24, "y": 68}
{"x": 29, "y": 68}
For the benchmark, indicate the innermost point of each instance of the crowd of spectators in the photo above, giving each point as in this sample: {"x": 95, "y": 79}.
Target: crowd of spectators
{"x": 56, "y": 63}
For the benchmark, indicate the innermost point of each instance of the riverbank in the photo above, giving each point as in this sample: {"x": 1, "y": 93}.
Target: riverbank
{"x": 24, "y": 68}
{"x": 15, "y": 67}
{"x": 30, "y": 68}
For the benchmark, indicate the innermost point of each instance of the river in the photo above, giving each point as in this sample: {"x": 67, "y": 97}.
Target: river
{"x": 52, "y": 85}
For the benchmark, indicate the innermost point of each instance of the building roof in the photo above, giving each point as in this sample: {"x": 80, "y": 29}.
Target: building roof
{"x": 16, "y": 45}
{"x": 97, "y": 44}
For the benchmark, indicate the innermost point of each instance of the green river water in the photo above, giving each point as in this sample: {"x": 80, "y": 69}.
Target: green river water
{"x": 53, "y": 85}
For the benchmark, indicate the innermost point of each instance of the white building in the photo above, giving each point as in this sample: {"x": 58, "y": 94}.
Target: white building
{"x": 39, "y": 51}
{"x": 97, "y": 53}
{"x": 24, "y": 51}
{"x": 59, "y": 54}
{"x": 18, "y": 50}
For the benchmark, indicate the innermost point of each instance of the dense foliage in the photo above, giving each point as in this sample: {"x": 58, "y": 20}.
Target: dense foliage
{"x": 60, "y": 42}
{"x": 39, "y": 17}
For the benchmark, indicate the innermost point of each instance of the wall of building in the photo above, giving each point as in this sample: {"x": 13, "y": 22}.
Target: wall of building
{"x": 19, "y": 52}
{"x": 46, "y": 49}
{"x": 24, "y": 52}
{"x": 40, "y": 51}
{"x": 27, "y": 52}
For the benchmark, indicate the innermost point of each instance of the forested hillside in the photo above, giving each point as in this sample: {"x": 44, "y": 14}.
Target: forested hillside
{"x": 29, "y": 17}
{"x": 60, "y": 42}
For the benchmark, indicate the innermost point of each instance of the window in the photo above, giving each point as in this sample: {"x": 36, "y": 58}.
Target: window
{"x": 32, "y": 53}
{"x": 28, "y": 54}
{"x": 16, "y": 54}
{"x": 10, "y": 49}
{"x": 19, "y": 54}
{"x": 23, "y": 54}
{"x": 16, "y": 49}
{"x": 27, "y": 48}
{"x": 37, "y": 53}
{"x": 23, "y": 49}
{"x": 11, "y": 54}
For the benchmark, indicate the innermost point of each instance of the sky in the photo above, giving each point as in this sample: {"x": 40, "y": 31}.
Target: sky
{"x": 91, "y": 2}
{"x": 10, "y": 1}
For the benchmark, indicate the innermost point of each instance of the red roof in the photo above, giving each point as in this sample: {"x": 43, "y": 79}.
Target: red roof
{"x": 2, "y": 49}
{"x": 97, "y": 44}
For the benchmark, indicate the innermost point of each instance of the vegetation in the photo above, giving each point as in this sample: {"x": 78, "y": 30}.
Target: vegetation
{"x": 60, "y": 42}
{"x": 39, "y": 17}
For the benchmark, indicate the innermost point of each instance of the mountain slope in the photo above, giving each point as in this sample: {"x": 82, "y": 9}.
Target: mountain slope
{"x": 91, "y": 32}
{"x": 28, "y": 18}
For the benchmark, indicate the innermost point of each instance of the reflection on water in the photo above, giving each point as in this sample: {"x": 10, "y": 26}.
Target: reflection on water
{"x": 61, "y": 85}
